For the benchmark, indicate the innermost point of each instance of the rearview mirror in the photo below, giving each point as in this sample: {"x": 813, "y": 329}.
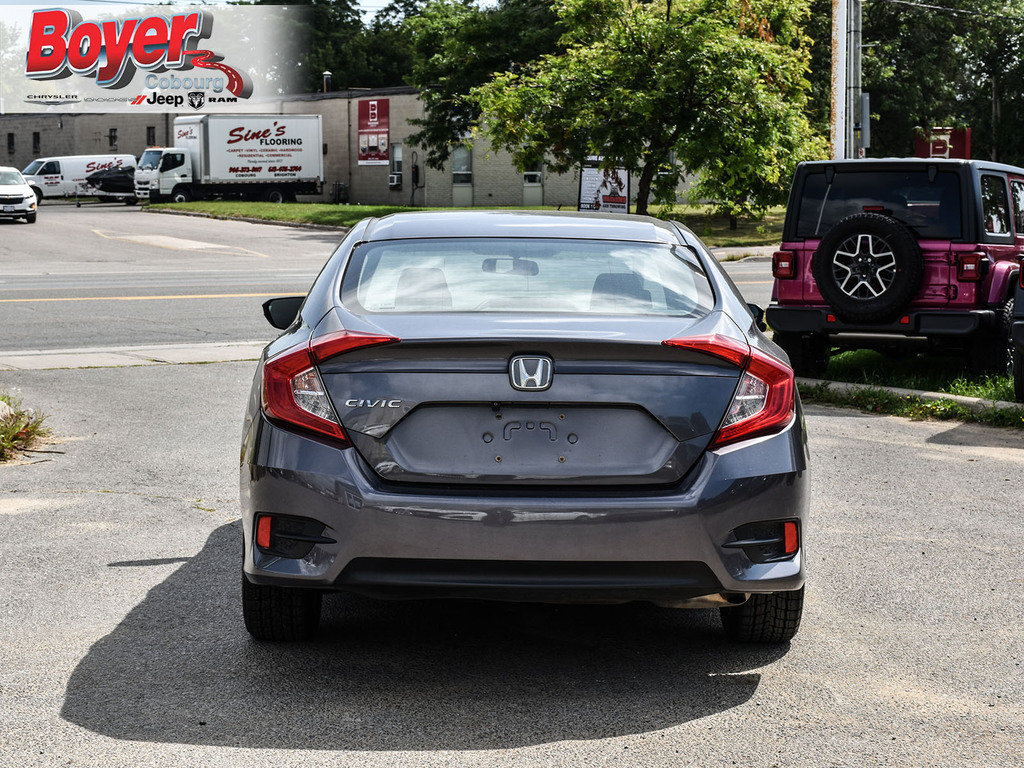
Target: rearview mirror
{"x": 510, "y": 266}
{"x": 281, "y": 312}
{"x": 758, "y": 314}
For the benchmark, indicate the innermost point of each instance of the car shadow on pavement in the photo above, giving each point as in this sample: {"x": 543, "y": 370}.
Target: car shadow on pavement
{"x": 980, "y": 436}
{"x": 430, "y": 675}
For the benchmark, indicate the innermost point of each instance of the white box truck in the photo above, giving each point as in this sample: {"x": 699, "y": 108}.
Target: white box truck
{"x": 254, "y": 157}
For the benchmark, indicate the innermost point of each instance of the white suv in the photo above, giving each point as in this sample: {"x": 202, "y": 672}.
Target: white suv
{"x": 17, "y": 200}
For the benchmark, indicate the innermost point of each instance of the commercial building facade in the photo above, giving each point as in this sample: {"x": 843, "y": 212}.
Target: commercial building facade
{"x": 474, "y": 176}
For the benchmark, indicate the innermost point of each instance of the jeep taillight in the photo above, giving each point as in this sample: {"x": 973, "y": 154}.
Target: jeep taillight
{"x": 971, "y": 267}
{"x": 784, "y": 265}
{"x": 293, "y": 393}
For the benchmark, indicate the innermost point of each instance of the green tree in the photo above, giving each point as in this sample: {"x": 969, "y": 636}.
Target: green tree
{"x": 715, "y": 88}
{"x": 457, "y": 46}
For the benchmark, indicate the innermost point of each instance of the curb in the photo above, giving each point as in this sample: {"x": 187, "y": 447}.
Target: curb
{"x": 974, "y": 404}
{"x": 124, "y": 357}
{"x": 247, "y": 219}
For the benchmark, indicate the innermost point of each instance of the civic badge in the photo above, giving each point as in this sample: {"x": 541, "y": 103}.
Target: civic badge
{"x": 530, "y": 372}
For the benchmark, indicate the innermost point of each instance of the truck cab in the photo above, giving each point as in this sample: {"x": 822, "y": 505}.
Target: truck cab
{"x": 164, "y": 173}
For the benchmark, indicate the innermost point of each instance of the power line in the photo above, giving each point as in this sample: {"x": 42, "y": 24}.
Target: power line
{"x": 953, "y": 11}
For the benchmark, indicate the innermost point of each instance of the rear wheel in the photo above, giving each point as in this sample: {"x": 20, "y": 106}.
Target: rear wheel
{"x": 807, "y": 354}
{"x": 274, "y": 195}
{"x": 280, "y": 613}
{"x": 770, "y": 618}
{"x": 992, "y": 351}
{"x": 39, "y": 195}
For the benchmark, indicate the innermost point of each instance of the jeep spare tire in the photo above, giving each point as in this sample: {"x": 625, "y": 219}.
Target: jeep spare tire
{"x": 868, "y": 267}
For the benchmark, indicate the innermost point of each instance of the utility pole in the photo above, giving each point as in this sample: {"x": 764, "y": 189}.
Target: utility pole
{"x": 855, "y": 120}
{"x": 840, "y": 25}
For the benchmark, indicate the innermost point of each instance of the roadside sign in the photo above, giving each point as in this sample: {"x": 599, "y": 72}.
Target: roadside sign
{"x": 603, "y": 189}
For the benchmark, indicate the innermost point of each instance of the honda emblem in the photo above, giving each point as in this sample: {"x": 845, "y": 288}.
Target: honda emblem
{"x": 530, "y": 372}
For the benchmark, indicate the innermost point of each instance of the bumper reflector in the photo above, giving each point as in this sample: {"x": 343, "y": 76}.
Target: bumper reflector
{"x": 263, "y": 532}
{"x": 791, "y": 541}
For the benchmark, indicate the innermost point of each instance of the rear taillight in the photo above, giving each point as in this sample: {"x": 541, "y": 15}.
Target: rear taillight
{"x": 971, "y": 267}
{"x": 292, "y": 390}
{"x": 784, "y": 265}
{"x": 765, "y": 398}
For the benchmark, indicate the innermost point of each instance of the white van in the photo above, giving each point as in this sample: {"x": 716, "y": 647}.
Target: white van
{"x": 63, "y": 176}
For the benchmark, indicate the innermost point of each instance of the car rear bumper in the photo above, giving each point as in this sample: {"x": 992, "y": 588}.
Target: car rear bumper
{"x": 554, "y": 545}
{"x": 925, "y": 322}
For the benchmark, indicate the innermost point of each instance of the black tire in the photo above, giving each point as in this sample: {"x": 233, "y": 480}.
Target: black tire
{"x": 991, "y": 352}
{"x": 807, "y": 354}
{"x": 770, "y": 618}
{"x": 155, "y": 197}
{"x": 181, "y": 194}
{"x": 130, "y": 200}
{"x": 1018, "y": 375}
{"x": 30, "y": 219}
{"x": 39, "y": 195}
{"x": 1015, "y": 363}
{"x": 274, "y": 195}
{"x": 280, "y": 613}
{"x": 866, "y": 264}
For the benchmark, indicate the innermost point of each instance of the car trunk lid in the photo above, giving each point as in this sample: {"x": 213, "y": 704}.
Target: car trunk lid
{"x": 621, "y": 408}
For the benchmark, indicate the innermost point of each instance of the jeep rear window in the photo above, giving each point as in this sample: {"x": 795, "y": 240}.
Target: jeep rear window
{"x": 930, "y": 209}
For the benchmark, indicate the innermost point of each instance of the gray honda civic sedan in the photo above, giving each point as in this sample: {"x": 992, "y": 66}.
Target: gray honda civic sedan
{"x": 523, "y": 406}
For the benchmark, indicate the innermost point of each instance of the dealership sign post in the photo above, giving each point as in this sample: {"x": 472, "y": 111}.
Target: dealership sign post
{"x": 603, "y": 189}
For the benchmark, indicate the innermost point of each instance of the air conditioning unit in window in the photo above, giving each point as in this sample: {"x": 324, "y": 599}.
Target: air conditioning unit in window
{"x": 394, "y": 181}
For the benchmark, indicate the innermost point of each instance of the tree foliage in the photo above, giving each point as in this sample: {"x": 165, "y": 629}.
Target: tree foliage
{"x": 715, "y": 87}
{"x": 457, "y": 46}
{"x": 933, "y": 65}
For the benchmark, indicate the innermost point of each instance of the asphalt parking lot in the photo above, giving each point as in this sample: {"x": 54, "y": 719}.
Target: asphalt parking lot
{"x": 121, "y": 642}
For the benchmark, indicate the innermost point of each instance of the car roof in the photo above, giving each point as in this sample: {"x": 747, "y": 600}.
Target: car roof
{"x": 984, "y": 165}
{"x": 546, "y": 224}
{"x": 8, "y": 168}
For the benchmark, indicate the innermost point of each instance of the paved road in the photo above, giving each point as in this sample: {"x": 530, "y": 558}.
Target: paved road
{"x": 112, "y": 276}
{"x": 121, "y": 642}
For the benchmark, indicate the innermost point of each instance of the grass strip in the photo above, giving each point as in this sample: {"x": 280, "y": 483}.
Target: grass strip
{"x": 20, "y": 428}
{"x": 712, "y": 229}
{"x": 872, "y": 400}
{"x": 928, "y": 372}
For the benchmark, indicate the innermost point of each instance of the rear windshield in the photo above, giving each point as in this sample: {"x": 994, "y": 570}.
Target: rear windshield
{"x": 526, "y": 275}
{"x": 930, "y": 208}
{"x": 31, "y": 168}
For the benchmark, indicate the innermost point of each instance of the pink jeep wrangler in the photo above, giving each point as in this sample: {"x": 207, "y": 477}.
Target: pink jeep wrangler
{"x": 886, "y": 254}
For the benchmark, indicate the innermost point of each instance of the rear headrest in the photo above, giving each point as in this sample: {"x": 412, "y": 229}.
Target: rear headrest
{"x": 422, "y": 289}
{"x": 614, "y": 290}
